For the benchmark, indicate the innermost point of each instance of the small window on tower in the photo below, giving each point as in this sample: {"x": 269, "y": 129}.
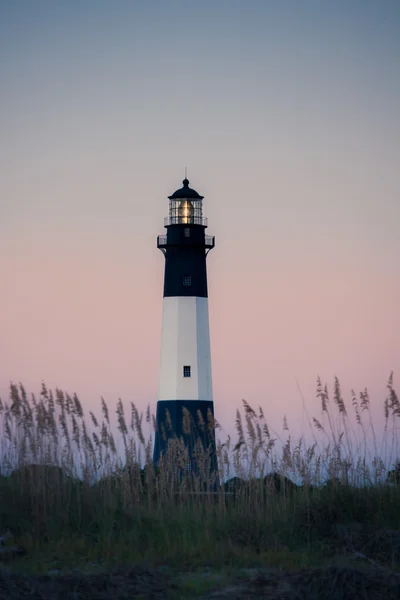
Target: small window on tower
{"x": 186, "y": 232}
{"x": 187, "y": 280}
{"x": 186, "y": 371}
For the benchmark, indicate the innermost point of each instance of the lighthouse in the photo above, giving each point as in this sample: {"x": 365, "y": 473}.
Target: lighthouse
{"x": 185, "y": 408}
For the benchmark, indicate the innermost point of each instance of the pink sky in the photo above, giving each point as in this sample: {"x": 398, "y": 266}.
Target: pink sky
{"x": 87, "y": 318}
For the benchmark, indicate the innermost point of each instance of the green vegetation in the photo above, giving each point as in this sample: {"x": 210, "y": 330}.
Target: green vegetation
{"x": 71, "y": 500}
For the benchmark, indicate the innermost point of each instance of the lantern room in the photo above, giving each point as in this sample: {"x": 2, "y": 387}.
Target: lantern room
{"x": 185, "y": 207}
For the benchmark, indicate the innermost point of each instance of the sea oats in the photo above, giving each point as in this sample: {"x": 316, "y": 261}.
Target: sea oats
{"x": 104, "y": 409}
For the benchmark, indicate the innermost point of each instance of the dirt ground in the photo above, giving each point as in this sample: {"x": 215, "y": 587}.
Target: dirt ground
{"x": 116, "y": 584}
{"x": 314, "y": 584}
{"x": 329, "y": 583}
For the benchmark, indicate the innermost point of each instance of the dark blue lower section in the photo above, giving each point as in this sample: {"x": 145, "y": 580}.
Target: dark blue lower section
{"x": 191, "y": 426}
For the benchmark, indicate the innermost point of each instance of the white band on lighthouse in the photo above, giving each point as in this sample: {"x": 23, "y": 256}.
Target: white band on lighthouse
{"x": 185, "y": 342}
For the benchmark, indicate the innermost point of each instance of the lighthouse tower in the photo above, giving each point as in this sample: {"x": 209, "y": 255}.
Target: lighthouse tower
{"x": 185, "y": 364}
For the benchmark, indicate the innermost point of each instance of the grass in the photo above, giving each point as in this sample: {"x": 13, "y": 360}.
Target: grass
{"x": 71, "y": 500}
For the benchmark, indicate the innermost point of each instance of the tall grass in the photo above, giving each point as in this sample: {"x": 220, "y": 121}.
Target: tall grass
{"x": 69, "y": 483}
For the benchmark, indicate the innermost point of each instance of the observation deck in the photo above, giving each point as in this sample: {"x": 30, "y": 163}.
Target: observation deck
{"x": 208, "y": 242}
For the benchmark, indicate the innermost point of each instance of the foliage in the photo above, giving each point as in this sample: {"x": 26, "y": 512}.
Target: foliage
{"x": 67, "y": 491}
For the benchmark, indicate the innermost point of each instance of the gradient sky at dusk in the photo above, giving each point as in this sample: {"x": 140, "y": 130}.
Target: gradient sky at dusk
{"x": 287, "y": 116}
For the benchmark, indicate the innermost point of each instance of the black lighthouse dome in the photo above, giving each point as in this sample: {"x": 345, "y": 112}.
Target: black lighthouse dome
{"x": 185, "y": 192}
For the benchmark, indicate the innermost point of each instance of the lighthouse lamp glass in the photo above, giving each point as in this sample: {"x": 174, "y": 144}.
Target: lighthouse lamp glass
{"x": 186, "y": 212}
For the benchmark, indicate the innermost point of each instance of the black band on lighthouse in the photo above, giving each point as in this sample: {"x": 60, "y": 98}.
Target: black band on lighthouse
{"x": 185, "y": 262}
{"x": 171, "y": 424}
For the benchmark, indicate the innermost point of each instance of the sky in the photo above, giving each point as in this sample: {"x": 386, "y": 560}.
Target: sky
{"x": 287, "y": 117}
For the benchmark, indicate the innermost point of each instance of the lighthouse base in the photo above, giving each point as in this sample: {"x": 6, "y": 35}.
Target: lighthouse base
{"x": 193, "y": 425}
